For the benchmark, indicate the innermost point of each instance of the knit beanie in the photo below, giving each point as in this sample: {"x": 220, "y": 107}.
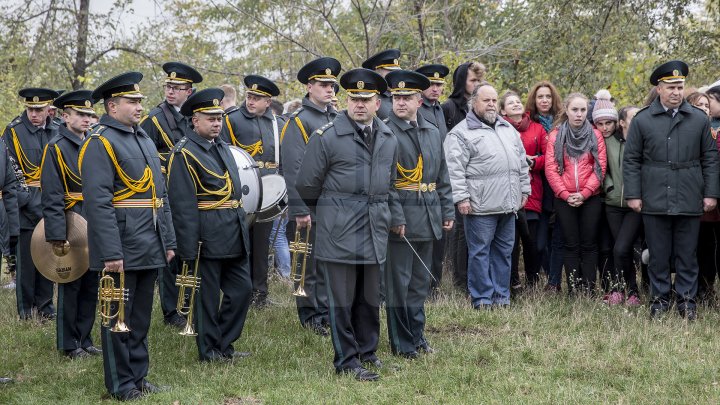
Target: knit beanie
{"x": 604, "y": 110}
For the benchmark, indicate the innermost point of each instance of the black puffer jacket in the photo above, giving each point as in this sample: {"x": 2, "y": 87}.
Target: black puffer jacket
{"x": 455, "y": 108}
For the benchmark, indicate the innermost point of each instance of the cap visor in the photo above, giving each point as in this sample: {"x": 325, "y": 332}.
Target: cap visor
{"x": 673, "y": 80}
{"x": 84, "y": 110}
{"x": 355, "y": 94}
{"x": 37, "y": 105}
{"x": 257, "y": 93}
{"x": 218, "y": 110}
{"x": 404, "y": 92}
{"x": 133, "y": 96}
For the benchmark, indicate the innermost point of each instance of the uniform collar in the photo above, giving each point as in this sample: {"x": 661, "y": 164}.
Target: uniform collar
{"x": 26, "y": 121}
{"x": 267, "y": 114}
{"x": 204, "y": 143}
{"x": 72, "y": 137}
{"x": 426, "y": 103}
{"x": 310, "y": 105}
{"x": 111, "y": 122}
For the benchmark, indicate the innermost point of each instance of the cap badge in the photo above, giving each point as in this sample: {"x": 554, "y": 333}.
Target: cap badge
{"x": 36, "y": 99}
{"x": 328, "y": 71}
{"x": 676, "y": 72}
{"x": 401, "y": 85}
{"x": 254, "y": 86}
{"x": 173, "y": 75}
{"x": 216, "y": 102}
{"x": 436, "y": 75}
{"x": 88, "y": 103}
{"x": 360, "y": 84}
{"x": 395, "y": 61}
{"x": 136, "y": 87}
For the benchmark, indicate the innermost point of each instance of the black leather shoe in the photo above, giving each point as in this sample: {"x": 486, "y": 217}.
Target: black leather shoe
{"x": 130, "y": 395}
{"x": 317, "y": 329}
{"x": 146, "y": 387}
{"x": 690, "y": 314}
{"x": 425, "y": 347}
{"x": 373, "y": 362}
{"x": 360, "y": 373}
{"x": 45, "y": 317}
{"x": 176, "y": 320}
{"x": 657, "y": 312}
{"x": 409, "y": 355}
{"x": 6, "y": 380}
{"x": 92, "y": 350}
{"x": 239, "y": 355}
{"x": 76, "y": 354}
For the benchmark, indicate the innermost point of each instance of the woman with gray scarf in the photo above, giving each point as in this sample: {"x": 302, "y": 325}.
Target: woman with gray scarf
{"x": 575, "y": 166}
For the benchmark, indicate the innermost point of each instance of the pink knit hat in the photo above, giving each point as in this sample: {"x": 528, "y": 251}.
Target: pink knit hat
{"x": 604, "y": 110}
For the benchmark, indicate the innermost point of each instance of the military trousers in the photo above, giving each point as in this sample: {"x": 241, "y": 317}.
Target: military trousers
{"x": 260, "y": 247}
{"x": 76, "y": 309}
{"x": 125, "y": 355}
{"x": 438, "y": 256}
{"x": 314, "y": 307}
{"x": 218, "y": 324}
{"x": 354, "y": 310}
{"x": 33, "y": 290}
{"x": 167, "y": 289}
{"x": 407, "y": 283}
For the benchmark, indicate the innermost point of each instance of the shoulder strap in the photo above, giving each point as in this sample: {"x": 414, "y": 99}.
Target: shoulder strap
{"x": 276, "y": 136}
{"x": 168, "y": 116}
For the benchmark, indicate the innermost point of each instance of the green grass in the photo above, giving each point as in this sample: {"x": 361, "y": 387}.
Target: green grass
{"x": 542, "y": 350}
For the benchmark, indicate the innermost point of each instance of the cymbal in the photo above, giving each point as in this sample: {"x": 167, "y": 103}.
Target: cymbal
{"x": 65, "y": 264}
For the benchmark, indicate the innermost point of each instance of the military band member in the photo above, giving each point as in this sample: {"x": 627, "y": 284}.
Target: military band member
{"x": 166, "y": 126}
{"x": 205, "y": 196}
{"x": 26, "y": 137}
{"x": 256, "y": 129}
{"x": 347, "y": 178}
{"x": 423, "y": 187}
{"x": 129, "y": 225}
{"x": 432, "y": 112}
{"x": 319, "y": 77}
{"x": 383, "y": 63}
{"x": 62, "y": 192}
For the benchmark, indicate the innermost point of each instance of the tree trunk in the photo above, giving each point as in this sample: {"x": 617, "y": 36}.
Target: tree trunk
{"x": 80, "y": 64}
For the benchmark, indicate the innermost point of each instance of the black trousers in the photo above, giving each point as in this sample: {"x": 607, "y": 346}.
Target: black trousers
{"x": 167, "y": 289}
{"x": 676, "y": 237}
{"x": 580, "y": 229}
{"x": 314, "y": 307}
{"x": 606, "y": 260}
{"x": 354, "y": 304}
{"x": 526, "y": 232}
{"x": 708, "y": 256}
{"x": 460, "y": 248}
{"x": 33, "y": 290}
{"x": 218, "y": 324}
{"x": 625, "y": 226}
{"x": 260, "y": 247}
{"x": 125, "y": 355}
{"x": 407, "y": 284}
{"x": 438, "y": 257}
{"x": 77, "y": 303}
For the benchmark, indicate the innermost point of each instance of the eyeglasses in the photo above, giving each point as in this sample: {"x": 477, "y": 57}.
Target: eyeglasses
{"x": 170, "y": 87}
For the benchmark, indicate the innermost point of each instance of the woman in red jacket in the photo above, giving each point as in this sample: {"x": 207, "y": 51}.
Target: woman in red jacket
{"x": 575, "y": 167}
{"x": 534, "y": 139}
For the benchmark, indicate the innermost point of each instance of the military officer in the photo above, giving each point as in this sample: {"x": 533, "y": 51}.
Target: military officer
{"x": 671, "y": 170}
{"x": 205, "y": 196}
{"x": 347, "y": 178}
{"x": 165, "y": 126}
{"x": 255, "y": 128}
{"x": 431, "y": 110}
{"x": 383, "y": 63}
{"x": 62, "y": 192}
{"x": 319, "y": 77}
{"x": 130, "y": 228}
{"x": 423, "y": 186}
{"x": 26, "y": 137}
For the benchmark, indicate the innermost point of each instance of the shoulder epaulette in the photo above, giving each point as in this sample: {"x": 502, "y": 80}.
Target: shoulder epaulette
{"x": 97, "y": 130}
{"x": 324, "y": 128}
{"x": 15, "y": 122}
{"x": 643, "y": 108}
{"x": 386, "y": 120}
{"x": 179, "y": 145}
{"x": 296, "y": 112}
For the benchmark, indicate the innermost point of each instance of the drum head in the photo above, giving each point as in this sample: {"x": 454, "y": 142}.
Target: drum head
{"x": 251, "y": 187}
{"x": 274, "y": 191}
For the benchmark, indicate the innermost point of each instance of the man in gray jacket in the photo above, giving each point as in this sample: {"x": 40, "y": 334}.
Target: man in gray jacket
{"x": 489, "y": 176}
{"x": 347, "y": 179}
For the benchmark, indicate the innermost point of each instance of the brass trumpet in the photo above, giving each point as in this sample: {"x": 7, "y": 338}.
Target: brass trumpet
{"x": 297, "y": 248}
{"x": 183, "y": 281}
{"x": 107, "y": 294}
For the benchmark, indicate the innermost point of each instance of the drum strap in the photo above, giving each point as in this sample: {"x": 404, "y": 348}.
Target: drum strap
{"x": 276, "y": 135}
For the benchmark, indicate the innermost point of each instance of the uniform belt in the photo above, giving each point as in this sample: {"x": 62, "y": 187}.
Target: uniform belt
{"x": 674, "y": 165}
{"x": 267, "y": 165}
{"x": 139, "y": 203}
{"x": 211, "y": 205}
{"x": 370, "y": 198}
{"x": 74, "y": 196}
{"x": 33, "y": 183}
{"x": 423, "y": 187}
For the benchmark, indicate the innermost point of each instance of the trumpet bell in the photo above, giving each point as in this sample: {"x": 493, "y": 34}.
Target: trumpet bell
{"x": 300, "y": 292}
{"x": 188, "y": 330}
{"x": 120, "y": 327}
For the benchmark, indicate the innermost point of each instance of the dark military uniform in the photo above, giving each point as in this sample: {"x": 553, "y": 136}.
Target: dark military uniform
{"x": 301, "y": 124}
{"x": 388, "y": 60}
{"x": 205, "y": 196}
{"x": 256, "y": 135}
{"x": 132, "y": 225}
{"x": 11, "y": 192}
{"x": 61, "y": 192}
{"x": 350, "y": 186}
{"x": 26, "y": 143}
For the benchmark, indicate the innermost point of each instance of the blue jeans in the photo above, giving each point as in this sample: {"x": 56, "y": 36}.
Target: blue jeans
{"x": 282, "y": 252}
{"x": 490, "y": 241}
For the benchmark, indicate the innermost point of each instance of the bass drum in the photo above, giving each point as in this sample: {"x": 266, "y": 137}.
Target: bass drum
{"x": 275, "y": 198}
{"x": 252, "y": 191}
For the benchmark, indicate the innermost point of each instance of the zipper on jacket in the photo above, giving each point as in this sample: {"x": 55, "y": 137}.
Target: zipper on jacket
{"x": 577, "y": 181}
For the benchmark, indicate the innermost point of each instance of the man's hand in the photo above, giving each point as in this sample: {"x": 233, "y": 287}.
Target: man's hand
{"x": 60, "y": 247}
{"x": 709, "y": 204}
{"x": 636, "y": 204}
{"x": 400, "y": 230}
{"x": 303, "y": 221}
{"x": 169, "y": 255}
{"x": 464, "y": 207}
{"x": 448, "y": 224}
{"x": 114, "y": 266}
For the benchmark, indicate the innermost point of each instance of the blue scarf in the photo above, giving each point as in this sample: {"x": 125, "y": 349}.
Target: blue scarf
{"x": 546, "y": 122}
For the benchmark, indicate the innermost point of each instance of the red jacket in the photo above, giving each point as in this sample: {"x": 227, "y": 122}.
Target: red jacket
{"x": 578, "y": 175}
{"x": 534, "y": 139}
